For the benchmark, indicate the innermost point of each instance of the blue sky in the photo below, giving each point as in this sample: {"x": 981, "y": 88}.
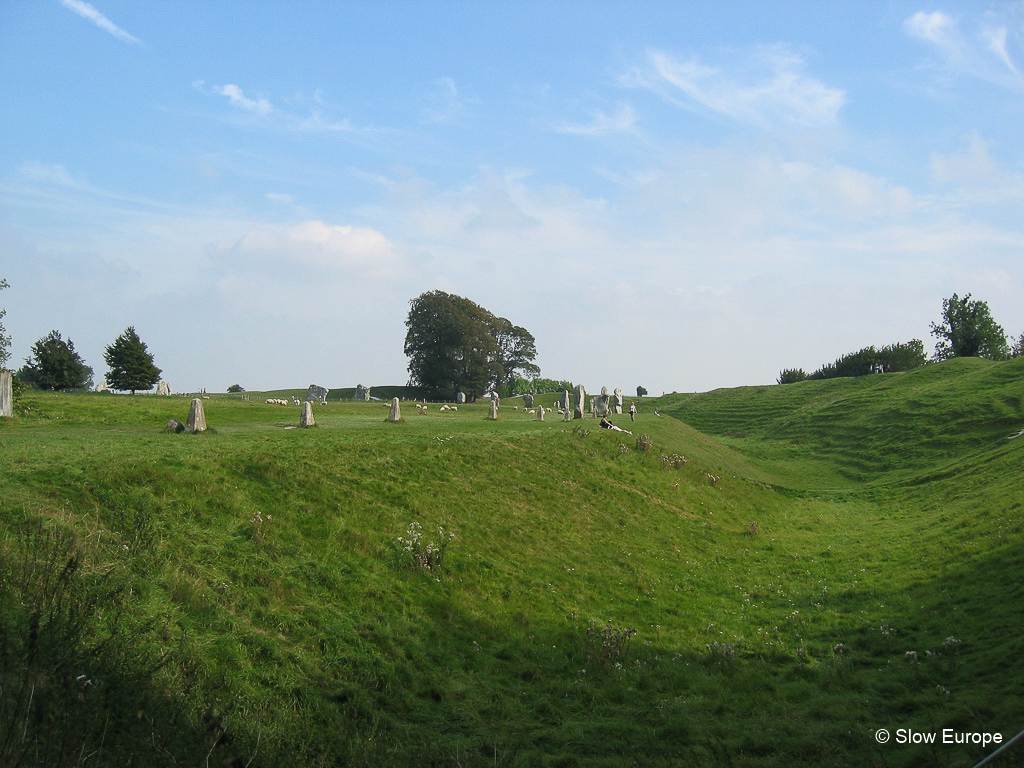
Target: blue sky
{"x": 678, "y": 195}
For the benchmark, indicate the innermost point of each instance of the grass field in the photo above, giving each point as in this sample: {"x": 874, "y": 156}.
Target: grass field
{"x": 832, "y": 558}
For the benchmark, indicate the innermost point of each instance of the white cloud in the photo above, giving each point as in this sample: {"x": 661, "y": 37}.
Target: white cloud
{"x": 765, "y": 86}
{"x": 984, "y": 54}
{"x": 320, "y": 245}
{"x": 239, "y": 99}
{"x": 86, "y": 11}
{"x": 935, "y": 27}
{"x": 997, "y": 44}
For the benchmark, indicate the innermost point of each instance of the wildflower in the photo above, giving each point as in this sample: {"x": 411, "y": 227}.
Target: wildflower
{"x": 911, "y": 656}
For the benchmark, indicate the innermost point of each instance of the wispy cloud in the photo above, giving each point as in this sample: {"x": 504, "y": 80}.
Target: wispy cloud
{"x": 238, "y": 98}
{"x": 86, "y": 11}
{"x": 763, "y": 86}
{"x": 987, "y": 53}
{"x": 317, "y": 120}
{"x": 602, "y": 124}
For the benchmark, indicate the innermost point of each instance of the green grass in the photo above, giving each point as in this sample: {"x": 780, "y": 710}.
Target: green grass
{"x": 241, "y": 595}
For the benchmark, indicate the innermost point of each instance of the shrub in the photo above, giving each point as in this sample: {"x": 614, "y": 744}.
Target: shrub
{"x": 607, "y": 646}
{"x": 413, "y": 552}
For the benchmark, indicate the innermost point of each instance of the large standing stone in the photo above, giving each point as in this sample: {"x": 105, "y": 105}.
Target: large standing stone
{"x": 6, "y": 395}
{"x": 581, "y": 402}
{"x": 395, "y": 414}
{"x": 316, "y": 393}
{"x": 528, "y": 400}
{"x": 306, "y": 419}
{"x": 460, "y": 397}
{"x": 617, "y": 400}
{"x": 163, "y": 388}
{"x": 565, "y": 404}
{"x": 493, "y": 413}
{"x": 196, "y": 417}
{"x": 362, "y": 393}
{"x": 540, "y": 413}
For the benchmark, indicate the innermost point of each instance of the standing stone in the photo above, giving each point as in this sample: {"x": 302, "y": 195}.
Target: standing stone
{"x": 362, "y": 394}
{"x": 581, "y": 401}
{"x": 196, "y": 417}
{"x": 102, "y": 387}
{"x": 540, "y": 413}
{"x": 493, "y": 414}
{"x": 528, "y": 400}
{"x": 617, "y": 400}
{"x": 163, "y": 389}
{"x": 395, "y": 414}
{"x": 316, "y": 393}
{"x": 307, "y": 420}
{"x": 565, "y": 404}
{"x": 6, "y": 395}
{"x": 460, "y": 398}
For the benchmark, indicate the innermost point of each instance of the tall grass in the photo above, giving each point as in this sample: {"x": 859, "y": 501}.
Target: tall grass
{"x": 251, "y": 591}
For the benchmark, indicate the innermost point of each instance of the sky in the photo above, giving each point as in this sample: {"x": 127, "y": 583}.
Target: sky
{"x": 677, "y": 195}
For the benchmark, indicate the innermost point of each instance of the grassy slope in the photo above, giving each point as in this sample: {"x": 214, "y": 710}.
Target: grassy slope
{"x": 882, "y": 514}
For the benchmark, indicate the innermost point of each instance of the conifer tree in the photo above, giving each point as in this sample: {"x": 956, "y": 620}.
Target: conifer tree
{"x": 131, "y": 364}
{"x": 54, "y": 364}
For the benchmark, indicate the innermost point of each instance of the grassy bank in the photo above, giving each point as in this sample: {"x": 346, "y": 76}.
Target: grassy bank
{"x": 832, "y": 558}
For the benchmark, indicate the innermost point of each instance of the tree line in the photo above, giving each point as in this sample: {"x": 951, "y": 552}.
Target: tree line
{"x": 967, "y": 329}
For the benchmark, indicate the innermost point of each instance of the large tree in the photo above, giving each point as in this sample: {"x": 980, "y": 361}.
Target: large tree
{"x": 968, "y": 330}
{"x": 54, "y": 364}
{"x": 131, "y": 364}
{"x": 5, "y": 340}
{"x": 455, "y": 345}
